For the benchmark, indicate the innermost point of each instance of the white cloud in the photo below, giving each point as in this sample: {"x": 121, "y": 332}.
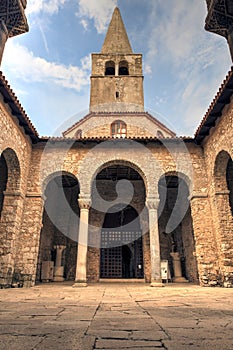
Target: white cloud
{"x": 99, "y": 11}
{"x": 30, "y": 68}
{"x": 195, "y": 58}
{"x": 48, "y": 6}
{"x": 84, "y": 23}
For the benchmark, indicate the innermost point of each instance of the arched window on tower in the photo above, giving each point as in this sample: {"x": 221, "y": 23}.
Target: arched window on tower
{"x": 123, "y": 68}
{"x": 118, "y": 129}
{"x": 110, "y": 68}
{"x": 160, "y": 134}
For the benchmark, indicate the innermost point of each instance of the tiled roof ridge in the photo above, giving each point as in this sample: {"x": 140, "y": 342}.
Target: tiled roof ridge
{"x": 16, "y": 102}
{"x": 103, "y": 138}
{"x": 217, "y": 96}
{"x": 86, "y": 117}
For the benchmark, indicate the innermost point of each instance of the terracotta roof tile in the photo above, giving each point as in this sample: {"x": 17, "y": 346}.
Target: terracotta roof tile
{"x": 215, "y": 109}
{"x": 17, "y": 109}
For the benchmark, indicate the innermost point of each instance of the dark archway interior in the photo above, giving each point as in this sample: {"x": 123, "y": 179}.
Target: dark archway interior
{"x": 123, "y": 218}
{"x": 123, "y": 68}
{"x": 110, "y": 68}
{"x": 3, "y": 180}
{"x": 175, "y": 225}
{"x": 60, "y": 224}
{"x": 121, "y": 254}
{"x": 121, "y": 242}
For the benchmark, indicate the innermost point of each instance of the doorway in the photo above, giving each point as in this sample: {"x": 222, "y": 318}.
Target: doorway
{"x": 121, "y": 244}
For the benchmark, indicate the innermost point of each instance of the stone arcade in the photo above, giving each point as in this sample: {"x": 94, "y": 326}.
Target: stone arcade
{"x": 119, "y": 192}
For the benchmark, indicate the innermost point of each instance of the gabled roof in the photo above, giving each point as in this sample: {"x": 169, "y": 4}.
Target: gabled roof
{"x": 215, "y": 110}
{"x": 118, "y": 114}
{"x": 116, "y": 40}
{"x": 17, "y": 110}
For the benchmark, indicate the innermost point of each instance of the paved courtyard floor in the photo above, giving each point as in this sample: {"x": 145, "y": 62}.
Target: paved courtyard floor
{"x": 116, "y": 316}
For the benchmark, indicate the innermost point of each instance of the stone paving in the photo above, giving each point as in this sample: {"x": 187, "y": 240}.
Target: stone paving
{"x": 116, "y": 316}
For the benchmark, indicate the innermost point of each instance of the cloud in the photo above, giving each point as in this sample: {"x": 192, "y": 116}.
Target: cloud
{"x": 84, "y": 23}
{"x": 195, "y": 60}
{"x": 99, "y": 11}
{"x": 48, "y": 6}
{"x": 30, "y": 68}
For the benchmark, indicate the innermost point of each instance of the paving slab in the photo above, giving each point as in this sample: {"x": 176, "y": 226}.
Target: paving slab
{"x": 116, "y": 316}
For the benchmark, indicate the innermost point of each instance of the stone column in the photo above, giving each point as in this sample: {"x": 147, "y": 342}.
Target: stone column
{"x": 3, "y": 37}
{"x": 117, "y": 69}
{"x": 81, "y": 266}
{"x": 152, "y": 205}
{"x": 59, "y": 269}
{"x": 177, "y": 268}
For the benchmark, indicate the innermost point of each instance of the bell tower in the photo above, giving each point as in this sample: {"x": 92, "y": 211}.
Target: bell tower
{"x": 116, "y": 80}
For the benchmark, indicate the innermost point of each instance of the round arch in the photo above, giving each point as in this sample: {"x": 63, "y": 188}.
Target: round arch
{"x": 13, "y": 169}
{"x": 180, "y": 175}
{"x": 176, "y": 225}
{"x": 60, "y": 226}
{"x": 120, "y": 152}
{"x": 55, "y": 175}
{"x": 220, "y": 170}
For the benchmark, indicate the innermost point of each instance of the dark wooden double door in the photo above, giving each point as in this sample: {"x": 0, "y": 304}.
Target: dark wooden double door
{"x": 121, "y": 254}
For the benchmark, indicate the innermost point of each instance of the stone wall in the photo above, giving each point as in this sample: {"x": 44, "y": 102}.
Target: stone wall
{"x": 218, "y": 151}
{"x": 137, "y": 126}
{"x": 15, "y": 147}
{"x": 106, "y": 90}
{"x": 84, "y": 160}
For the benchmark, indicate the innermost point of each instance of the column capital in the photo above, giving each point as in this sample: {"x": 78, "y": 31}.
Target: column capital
{"x": 152, "y": 202}
{"x": 84, "y": 202}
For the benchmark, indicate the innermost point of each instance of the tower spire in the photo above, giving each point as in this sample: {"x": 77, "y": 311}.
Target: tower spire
{"x": 116, "y": 40}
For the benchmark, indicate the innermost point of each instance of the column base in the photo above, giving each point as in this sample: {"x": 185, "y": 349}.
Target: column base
{"x": 58, "y": 279}
{"x": 157, "y": 283}
{"x": 58, "y": 274}
{"x": 78, "y": 284}
{"x": 180, "y": 280}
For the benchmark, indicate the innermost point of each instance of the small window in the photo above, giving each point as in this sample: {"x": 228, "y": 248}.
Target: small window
{"x": 117, "y": 94}
{"x": 118, "y": 129}
{"x": 123, "y": 68}
{"x": 110, "y": 68}
{"x": 78, "y": 134}
{"x": 160, "y": 134}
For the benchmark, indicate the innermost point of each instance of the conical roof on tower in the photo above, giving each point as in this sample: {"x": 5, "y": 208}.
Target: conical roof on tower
{"x": 116, "y": 40}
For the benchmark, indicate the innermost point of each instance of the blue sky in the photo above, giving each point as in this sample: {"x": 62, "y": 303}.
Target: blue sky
{"x": 49, "y": 67}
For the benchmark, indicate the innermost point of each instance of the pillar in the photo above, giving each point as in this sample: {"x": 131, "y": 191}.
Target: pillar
{"x": 81, "y": 266}
{"x": 205, "y": 242}
{"x": 152, "y": 205}
{"x": 27, "y": 245}
{"x": 59, "y": 269}
{"x": 3, "y": 37}
{"x": 224, "y": 235}
{"x": 177, "y": 268}
{"x": 9, "y": 229}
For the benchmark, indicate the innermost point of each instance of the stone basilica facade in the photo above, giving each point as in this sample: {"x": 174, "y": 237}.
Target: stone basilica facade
{"x": 119, "y": 196}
